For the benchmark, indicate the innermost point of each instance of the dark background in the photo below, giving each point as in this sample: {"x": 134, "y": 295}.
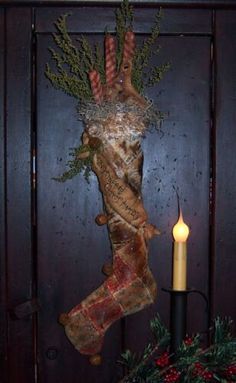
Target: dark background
{"x": 51, "y": 250}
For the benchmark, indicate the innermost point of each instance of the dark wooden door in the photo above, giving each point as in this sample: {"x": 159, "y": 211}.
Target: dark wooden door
{"x": 17, "y": 269}
{"x": 52, "y": 249}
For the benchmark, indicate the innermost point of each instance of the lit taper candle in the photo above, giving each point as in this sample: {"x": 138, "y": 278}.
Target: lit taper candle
{"x": 180, "y": 234}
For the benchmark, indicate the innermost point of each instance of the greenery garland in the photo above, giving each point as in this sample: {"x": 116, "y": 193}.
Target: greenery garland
{"x": 191, "y": 364}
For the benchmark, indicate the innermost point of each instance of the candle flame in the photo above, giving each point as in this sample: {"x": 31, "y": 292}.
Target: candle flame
{"x": 180, "y": 230}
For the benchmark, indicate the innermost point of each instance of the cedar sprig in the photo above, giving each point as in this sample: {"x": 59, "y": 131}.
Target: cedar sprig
{"x": 142, "y": 57}
{"x": 99, "y": 63}
{"x": 70, "y": 84}
{"x": 124, "y": 23}
{"x": 78, "y": 165}
{"x": 71, "y": 55}
{"x": 86, "y": 55}
{"x": 157, "y": 73}
{"x": 72, "y": 64}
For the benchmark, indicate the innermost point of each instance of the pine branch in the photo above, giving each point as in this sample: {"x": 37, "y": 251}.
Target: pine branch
{"x": 160, "y": 332}
{"x": 192, "y": 363}
{"x": 136, "y": 364}
{"x": 222, "y": 329}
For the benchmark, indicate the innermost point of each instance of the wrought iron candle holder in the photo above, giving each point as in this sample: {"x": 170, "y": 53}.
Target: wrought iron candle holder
{"x": 178, "y": 314}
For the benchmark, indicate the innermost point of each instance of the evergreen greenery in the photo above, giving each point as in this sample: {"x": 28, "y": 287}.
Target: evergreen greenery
{"x": 99, "y": 63}
{"x": 192, "y": 363}
{"x": 72, "y": 63}
{"x": 124, "y": 23}
{"x": 142, "y": 75}
{"x": 79, "y": 165}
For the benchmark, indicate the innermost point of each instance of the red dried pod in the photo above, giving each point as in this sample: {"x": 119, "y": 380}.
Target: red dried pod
{"x": 101, "y": 219}
{"x": 129, "y": 46}
{"x": 110, "y": 54}
{"x": 96, "y": 86}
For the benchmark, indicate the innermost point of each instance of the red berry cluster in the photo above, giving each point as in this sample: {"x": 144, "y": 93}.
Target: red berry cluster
{"x": 200, "y": 370}
{"x": 188, "y": 341}
{"x": 163, "y": 361}
{"x": 172, "y": 375}
{"x": 231, "y": 371}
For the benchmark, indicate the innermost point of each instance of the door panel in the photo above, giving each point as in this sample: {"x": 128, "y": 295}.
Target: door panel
{"x": 3, "y": 295}
{"x": 70, "y": 263}
{"x": 71, "y": 248}
{"x": 58, "y": 257}
{"x": 224, "y": 272}
{"x": 177, "y": 159}
{"x": 93, "y": 19}
{"x": 19, "y": 266}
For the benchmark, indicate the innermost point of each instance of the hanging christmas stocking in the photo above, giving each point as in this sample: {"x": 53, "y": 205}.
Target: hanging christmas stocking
{"x": 113, "y": 133}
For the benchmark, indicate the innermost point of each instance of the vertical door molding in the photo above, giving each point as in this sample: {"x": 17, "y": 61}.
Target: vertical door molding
{"x": 224, "y": 281}
{"x": 18, "y": 188}
{"x": 3, "y": 318}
